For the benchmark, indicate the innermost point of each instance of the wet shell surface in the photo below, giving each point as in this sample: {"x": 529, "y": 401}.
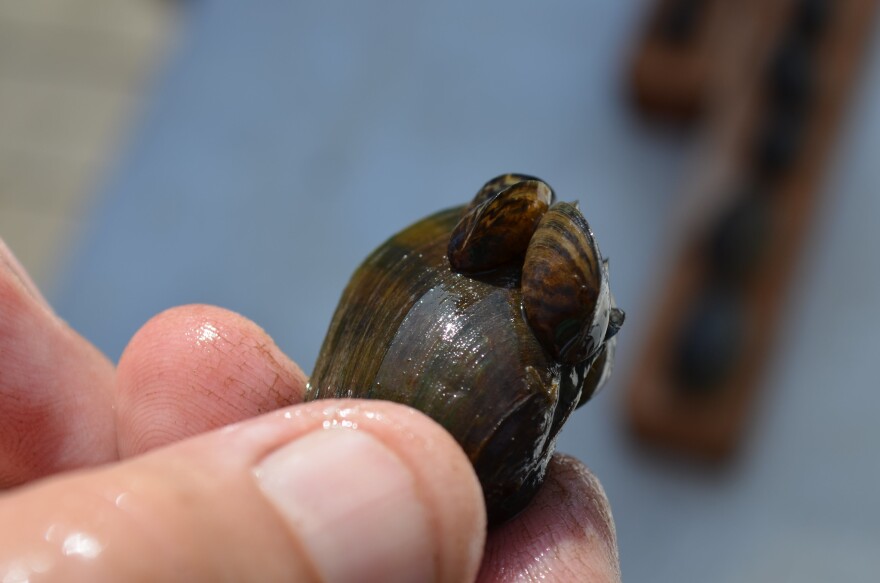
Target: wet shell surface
{"x": 494, "y": 319}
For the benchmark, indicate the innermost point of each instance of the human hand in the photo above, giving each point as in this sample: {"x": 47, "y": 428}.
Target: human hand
{"x": 195, "y": 459}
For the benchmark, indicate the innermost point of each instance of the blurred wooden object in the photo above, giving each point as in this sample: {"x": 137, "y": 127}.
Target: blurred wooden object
{"x": 673, "y": 63}
{"x": 709, "y": 421}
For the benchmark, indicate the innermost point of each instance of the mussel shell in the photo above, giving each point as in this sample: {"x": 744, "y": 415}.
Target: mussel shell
{"x": 710, "y": 343}
{"x": 679, "y": 22}
{"x": 792, "y": 74}
{"x": 499, "y": 183}
{"x": 741, "y": 239}
{"x": 779, "y": 140}
{"x": 498, "y": 230}
{"x": 411, "y": 330}
{"x": 811, "y": 18}
{"x": 565, "y": 288}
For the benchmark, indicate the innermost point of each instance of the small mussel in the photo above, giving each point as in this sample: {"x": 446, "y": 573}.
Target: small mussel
{"x": 709, "y": 343}
{"x": 494, "y": 319}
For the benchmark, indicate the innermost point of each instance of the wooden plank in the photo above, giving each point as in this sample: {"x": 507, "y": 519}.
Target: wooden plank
{"x": 710, "y": 421}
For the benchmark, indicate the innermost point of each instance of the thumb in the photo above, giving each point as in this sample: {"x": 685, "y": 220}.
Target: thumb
{"x": 328, "y": 491}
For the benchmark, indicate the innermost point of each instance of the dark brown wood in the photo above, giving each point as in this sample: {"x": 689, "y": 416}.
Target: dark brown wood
{"x": 672, "y": 65}
{"x": 713, "y": 427}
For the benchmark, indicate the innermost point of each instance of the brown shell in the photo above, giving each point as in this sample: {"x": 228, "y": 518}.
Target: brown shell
{"x": 497, "y": 231}
{"x": 496, "y": 185}
{"x": 411, "y": 329}
{"x": 565, "y": 290}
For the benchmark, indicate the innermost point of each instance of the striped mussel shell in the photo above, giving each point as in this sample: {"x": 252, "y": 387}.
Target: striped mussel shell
{"x": 494, "y": 319}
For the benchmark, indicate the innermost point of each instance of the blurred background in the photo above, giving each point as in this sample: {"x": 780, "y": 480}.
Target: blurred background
{"x": 250, "y": 154}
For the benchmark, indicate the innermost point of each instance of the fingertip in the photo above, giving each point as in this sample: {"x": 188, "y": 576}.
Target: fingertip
{"x": 194, "y": 368}
{"x": 399, "y": 502}
{"x": 568, "y": 529}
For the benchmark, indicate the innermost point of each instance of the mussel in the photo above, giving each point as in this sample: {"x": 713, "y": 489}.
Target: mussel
{"x": 494, "y": 319}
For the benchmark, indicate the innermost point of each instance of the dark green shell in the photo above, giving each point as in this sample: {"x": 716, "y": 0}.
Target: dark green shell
{"x": 457, "y": 347}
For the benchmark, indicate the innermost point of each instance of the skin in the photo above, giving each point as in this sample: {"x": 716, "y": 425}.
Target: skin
{"x": 182, "y": 462}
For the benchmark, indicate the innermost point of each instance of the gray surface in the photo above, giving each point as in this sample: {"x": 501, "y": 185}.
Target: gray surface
{"x": 285, "y": 140}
